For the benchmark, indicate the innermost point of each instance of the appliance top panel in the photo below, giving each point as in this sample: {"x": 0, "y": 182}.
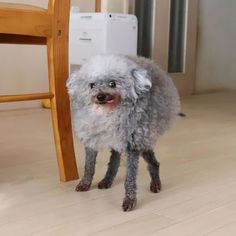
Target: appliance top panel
{"x": 104, "y": 16}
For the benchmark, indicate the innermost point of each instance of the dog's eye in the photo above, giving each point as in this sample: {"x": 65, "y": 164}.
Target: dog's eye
{"x": 92, "y": 85}
{"x": 112, "y": 84}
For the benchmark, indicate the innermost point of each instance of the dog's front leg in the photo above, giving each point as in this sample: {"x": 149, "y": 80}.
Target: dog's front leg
{"x": 130, "y": 199}
{"x": 89, "y": 170}
{"x": 112, "y": 170}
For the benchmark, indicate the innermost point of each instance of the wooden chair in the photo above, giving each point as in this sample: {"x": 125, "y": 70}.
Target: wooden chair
{"x": 98, "y": 5}
{"x": 24, "y": 24}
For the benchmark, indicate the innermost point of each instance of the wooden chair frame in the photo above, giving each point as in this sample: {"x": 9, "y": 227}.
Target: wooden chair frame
{"x": 50, "y": 27}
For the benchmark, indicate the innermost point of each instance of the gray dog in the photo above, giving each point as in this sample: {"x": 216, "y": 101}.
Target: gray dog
{"x": 123, "y": 104}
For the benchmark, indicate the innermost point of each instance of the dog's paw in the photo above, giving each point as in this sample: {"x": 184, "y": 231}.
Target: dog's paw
{"x": 155, "y": 186}
{"x": 82, "y": 187}
{"x": 104, "y": 184}
{"x": 129, "y": 204}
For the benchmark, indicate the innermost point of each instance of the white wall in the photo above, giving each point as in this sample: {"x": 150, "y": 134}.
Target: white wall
{"x": 85, "y": 5}
{"x": 115, "y": 6}
{"x": 216, "y": 62}
{"x": 24, "y": 67}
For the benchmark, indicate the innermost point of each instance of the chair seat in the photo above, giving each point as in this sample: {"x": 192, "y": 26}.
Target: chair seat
{"x": 21, "y": 19}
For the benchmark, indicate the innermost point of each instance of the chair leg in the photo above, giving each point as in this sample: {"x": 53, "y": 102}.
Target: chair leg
{"x": 58, "y": 73}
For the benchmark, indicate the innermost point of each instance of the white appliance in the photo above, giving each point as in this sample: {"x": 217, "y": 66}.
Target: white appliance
{"x": 101, "y": 33}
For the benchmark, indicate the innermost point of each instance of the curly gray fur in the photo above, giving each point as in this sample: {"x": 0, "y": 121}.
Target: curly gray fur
{"x": 148, "y": 103}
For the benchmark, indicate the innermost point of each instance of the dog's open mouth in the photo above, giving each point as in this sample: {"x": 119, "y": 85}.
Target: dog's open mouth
{"x": 104, "y": 98}
{"x": 107, "y": 101}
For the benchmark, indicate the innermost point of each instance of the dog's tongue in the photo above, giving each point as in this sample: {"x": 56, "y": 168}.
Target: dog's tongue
{"x": 110, "y": 101}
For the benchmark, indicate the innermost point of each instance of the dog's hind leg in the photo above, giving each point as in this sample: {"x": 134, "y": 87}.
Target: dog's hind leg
{"x": 153, "y": 168}
{"x": 112, "y": 170}
{"x": 89, "y": 170}
{"x": 130, "y": 199}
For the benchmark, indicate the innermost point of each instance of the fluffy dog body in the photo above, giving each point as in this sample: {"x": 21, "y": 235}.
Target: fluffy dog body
{"x": 124, "y": 104}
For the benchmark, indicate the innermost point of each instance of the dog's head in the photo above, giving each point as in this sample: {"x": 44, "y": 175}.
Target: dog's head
{"x": 109, "y": 81}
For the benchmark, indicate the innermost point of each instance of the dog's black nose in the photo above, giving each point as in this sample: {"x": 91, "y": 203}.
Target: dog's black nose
{"x": 101, "y": 97}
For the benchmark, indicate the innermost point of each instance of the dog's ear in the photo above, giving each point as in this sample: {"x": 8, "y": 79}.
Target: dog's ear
{"x": 142, "y": 80}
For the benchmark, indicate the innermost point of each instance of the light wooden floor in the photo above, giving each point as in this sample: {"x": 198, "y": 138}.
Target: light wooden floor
{"x": 198, "y": 170}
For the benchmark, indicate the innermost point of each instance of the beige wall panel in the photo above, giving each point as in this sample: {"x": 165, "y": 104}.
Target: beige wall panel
{"x": 216, "y": 61}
